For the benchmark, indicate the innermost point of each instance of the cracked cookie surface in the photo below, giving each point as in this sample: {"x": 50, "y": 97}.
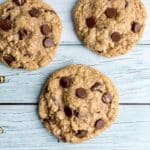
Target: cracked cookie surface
{"x": 29, "y": 33}
{"x": 78, "y": 103}
{"x": 109, "y": 27}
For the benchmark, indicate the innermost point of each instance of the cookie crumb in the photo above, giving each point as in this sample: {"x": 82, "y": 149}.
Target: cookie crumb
{"x": 1, "y": 130}
{"x": 2, "y": 79}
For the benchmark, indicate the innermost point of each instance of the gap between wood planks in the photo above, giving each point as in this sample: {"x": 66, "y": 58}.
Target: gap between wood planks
{"x": 28, "y": 104}
{"x": 64, "y": 43}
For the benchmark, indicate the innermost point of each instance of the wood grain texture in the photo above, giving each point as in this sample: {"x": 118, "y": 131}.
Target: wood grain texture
{"x": 23, "y": 131}
{"x": 131, "y": 74}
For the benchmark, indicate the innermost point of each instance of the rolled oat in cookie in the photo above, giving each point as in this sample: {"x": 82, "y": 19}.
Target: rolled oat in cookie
{"x": 109, "y": 27}
{"x": 30, "y": 32}
{"x": 78, "y": 103}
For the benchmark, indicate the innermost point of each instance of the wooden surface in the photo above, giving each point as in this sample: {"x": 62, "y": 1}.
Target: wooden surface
{"x": 24, "y": 131}
{"x": 131, "y": 73}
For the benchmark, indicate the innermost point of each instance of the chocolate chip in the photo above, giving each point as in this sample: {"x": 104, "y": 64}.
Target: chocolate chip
{"x": 126, "y": 4}
{"x": 9, "y": 59}
{"x": 90, "y": 22}
{"x": 45, "y": 29}
{"x": 19, "y": 2}
{"x": 107, "y": 98}
{"x": 34, "y": 12}
{"x": 136, "y": 27}
{"x": 99, "y": 124}
{"x": 68, "y": 111}
{"x": 81, "y": 133}
{"x": 5, "y": 24}
{"x": 116, "y": 37}
{"x": 81, "y": 93}
{"x": 97, "y": 86}
{"x": 65, "y": 82}
{"x": 111, "y": 12}
{"x": 22, "y": 34}
{"x": 47, "y": 42}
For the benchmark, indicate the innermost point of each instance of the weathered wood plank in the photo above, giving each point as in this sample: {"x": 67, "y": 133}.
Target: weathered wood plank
{"x": 131, "y": 74}
{"x": 24, "y": 131}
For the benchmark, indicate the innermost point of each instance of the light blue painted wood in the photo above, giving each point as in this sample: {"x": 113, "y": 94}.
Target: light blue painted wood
{"x": 131, "y": 74}
{"x": 24, "y": 131}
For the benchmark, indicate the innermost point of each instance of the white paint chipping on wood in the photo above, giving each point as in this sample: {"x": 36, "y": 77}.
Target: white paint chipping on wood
{"x": 24, "y": 131}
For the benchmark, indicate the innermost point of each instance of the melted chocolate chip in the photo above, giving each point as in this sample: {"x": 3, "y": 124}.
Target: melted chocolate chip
{"x": 99, "y": 124}
{"x": 68, "y": 111}
{"x": 47, "y": 42}
{"x": 111, "y": 12}
{"x": 136, "y": 27}
{"x": 90, "y": 22}
{"x": 9, "y": 59}
{"x": 65, "y": 82}
{"x": 19, "y": 2}
{"x": 34, "y": 12}
{"x": 22, "y": 34}
{"x": 126, "y": 4}
{"x": 97, "y": 86}
{"x": 81, "y": 133}
{"x": 116, "y": 37}
{"x": 81, "y": 93}
{"x": 107, "y": 98}
{"x": 45, "y": 29}
{"x": 5, "y": 24}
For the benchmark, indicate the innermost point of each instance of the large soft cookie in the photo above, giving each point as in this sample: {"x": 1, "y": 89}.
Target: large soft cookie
{"x": 109, "y": 27}
{"x": 78, "y": 103}
{"x": 29, "y": 33}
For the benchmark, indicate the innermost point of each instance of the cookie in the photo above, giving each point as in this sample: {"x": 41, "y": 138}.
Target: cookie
{"x": 29, "y": 33}
{"x": 109, "y": 27}
{"x": 78, "y": 103}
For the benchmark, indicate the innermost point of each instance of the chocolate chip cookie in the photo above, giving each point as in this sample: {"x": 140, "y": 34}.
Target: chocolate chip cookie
{"x": 109, "y": 27}
{"x": 29, "y": 33}
{"x": 78, "y": 103}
